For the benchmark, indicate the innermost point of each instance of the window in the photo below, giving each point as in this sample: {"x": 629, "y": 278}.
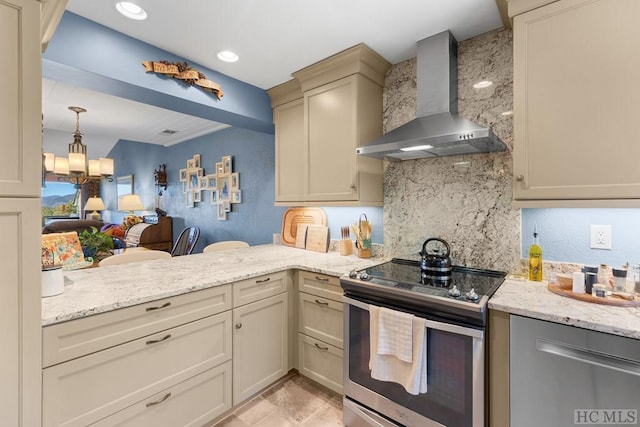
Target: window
{"x": 59, "y": 200}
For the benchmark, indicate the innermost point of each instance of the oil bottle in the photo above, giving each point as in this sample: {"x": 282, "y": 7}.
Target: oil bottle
{"x": 535, "y": 259}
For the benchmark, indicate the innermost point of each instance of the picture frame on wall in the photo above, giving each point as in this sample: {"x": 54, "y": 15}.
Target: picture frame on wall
{"x": 226, "y": 164}
{"x": 124, "y": 185}
{"x": 212, "y": 182}
{"x": 219, "y": 168}
{"x": 214, "y": 197}
{"x": 197, "y": 196}
{"x": 227, "y": 205}
{"x": 190, "y": 164}
{"x": 192, "y": 179}
{"x": 203, "y": 183}
{"x": 224, "y": 193}
{"x": 236, "y": 196}
{"x": 183, "y": 175}
{"x": 188, "y": 195}
{"x": 222, "y": 215}
{"x": 200, "y": 171}
{"x": 196, "y": 161}
{"x": 234, "y": 181}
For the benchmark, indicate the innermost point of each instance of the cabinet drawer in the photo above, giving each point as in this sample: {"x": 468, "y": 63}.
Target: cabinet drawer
{"x": 69, "y": 340}
{"x": 251, "y": 290}
{"x": 321, "y": 362}
{"x": 191, "y": 403}
{"x": 320, "y": 318}
{"x": 87, "y": 389}
{"x": 320, "y": 285}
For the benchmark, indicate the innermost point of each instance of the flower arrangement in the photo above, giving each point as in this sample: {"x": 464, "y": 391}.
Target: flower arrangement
{"x": 129, "y": 221}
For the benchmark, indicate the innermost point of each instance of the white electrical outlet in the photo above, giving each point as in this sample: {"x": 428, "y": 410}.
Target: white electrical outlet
{"x": 600, "y": 236}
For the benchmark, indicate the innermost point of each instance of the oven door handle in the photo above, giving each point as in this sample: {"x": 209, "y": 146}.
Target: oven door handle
{"x": 431, "y": 324}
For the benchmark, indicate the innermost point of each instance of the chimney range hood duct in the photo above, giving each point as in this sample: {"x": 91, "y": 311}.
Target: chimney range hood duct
{"x": 438, "y": 130}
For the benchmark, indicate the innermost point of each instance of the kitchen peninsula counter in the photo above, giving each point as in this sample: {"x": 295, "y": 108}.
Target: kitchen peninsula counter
{"x": 533, "y": 299}
{"x": 98, "y": 290}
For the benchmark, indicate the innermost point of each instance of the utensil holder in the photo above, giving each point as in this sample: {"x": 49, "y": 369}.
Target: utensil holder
{"x": 346, "y": 247}
{"x": 364, "y": 248}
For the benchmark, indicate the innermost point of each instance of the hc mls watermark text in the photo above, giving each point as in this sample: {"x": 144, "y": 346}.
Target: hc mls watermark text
{"x": 605, "y": 416}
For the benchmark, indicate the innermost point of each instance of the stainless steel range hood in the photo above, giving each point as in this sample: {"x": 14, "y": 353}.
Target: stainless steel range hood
{"x": 438, "y": 130}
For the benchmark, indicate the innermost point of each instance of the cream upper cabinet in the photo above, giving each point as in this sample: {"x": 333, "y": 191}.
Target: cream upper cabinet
{"x": 20, "y": 174}
{"x": 20, "y": 108}
{"x": 321, "y": 117}
{"x": 576, "y": 101}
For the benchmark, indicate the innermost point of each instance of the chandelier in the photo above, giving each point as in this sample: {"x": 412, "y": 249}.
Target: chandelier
{"x": 74, "y": 168}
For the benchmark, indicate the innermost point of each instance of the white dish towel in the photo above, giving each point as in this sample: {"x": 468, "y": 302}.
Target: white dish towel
{"x": 389, "y": 347}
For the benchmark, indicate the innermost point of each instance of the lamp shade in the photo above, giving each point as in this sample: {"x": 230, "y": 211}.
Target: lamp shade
{"x": 130, "y": 202}
{"x": 94, "y": 204}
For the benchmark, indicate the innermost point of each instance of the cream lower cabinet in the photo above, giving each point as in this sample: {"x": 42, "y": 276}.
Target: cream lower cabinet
{"x": 144, "y": 375}
{"x": 320, "y": 329}
{"x": 576, "y": 100}
{"x": 260, "y": 334}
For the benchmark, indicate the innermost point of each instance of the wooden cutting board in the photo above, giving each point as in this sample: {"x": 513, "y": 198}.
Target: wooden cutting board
{"x": 317, "y": 238}
{"x": 294, "y": 216}
{"x": 301, "y": 236}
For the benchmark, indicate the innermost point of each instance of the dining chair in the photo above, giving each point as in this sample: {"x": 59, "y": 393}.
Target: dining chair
{"x": 224, "y": 245}
{"x": 186, "y": 241}
{"x": 134, "y": 256}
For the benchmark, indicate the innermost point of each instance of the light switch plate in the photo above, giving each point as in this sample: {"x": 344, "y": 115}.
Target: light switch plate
{"x": 600, "y": 237}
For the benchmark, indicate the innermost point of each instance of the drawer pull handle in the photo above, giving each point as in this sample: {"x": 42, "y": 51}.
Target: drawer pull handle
{"x": 157, "y": 402}
{"x": 321, "y": 302}
{"x": 322, "y": 279}
{"x": 319, "y": 347}
{"x": 166, "y": 337}
{"x": 165, "y": 305}
{"x": 238, "y": 325}
{"x": 264, "y": 280}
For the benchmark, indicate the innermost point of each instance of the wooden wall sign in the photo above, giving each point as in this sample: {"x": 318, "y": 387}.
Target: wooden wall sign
{"x": 185, "y": 73}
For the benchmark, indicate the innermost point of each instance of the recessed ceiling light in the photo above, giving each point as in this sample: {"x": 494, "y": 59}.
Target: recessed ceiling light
{"x": 131, "y": 10}
{"x": 507, "y": 113}
{"x": 228, "y": 56}
{"x": 482, "y": 84}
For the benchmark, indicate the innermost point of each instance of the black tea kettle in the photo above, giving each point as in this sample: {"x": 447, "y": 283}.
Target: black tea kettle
{"x": 436, "y": 263}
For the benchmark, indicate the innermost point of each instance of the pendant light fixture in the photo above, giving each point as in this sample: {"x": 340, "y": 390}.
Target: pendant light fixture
{"x": 74, "y": 168}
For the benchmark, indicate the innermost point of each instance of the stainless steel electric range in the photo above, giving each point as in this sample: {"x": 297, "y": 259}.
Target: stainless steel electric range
{"x": 455, "y": 309}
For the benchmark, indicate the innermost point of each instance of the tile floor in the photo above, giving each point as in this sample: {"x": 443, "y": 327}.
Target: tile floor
{"x": 295, "y": 401}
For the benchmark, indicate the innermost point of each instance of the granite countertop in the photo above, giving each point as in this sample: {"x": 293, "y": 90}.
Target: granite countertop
{"x": 97, "y": 290}
{"x": 533, "y": 299}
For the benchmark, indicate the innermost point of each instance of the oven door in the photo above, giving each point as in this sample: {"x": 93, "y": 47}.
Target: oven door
{"x": 455, "y": 374}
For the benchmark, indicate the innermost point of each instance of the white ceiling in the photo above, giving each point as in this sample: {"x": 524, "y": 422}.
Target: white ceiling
{"x": 273, "y": 39}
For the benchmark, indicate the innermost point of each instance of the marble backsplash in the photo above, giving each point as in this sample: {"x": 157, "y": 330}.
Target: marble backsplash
{"x": 465, "y": 200}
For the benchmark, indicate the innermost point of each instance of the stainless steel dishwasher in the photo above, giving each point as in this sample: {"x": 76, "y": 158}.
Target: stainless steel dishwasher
{"x": 566, "y": 376}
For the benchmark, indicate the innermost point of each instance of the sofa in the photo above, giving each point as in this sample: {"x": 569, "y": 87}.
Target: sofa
{"x": 77, "y": 225}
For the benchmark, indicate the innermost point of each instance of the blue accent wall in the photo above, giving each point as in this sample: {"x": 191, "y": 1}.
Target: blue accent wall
{"x": 90, "y": 55}
{"x": 564, "y": 234}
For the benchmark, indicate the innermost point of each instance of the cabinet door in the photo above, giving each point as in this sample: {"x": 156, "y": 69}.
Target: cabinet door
{"x": 290, "y": 151}
{"x": 576, "y": 101}
{"x": 192, "y": 403}
{"x": 20, "y": 312}
{"x": 321, "y": 318}
{"x": 331, "y": 132}
{"x": 89, "y": 388}
{"x": 321, "y": 362}
{"x": 21, "y": 99}
{"x": 260, "y": 345}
